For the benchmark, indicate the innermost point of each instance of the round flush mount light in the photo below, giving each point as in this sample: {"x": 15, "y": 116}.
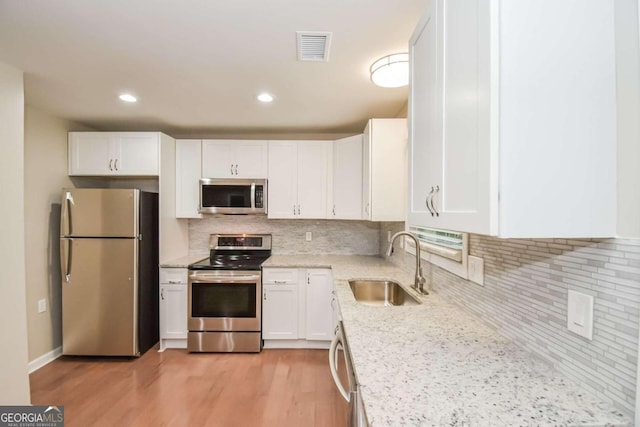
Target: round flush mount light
{"x": 265, "y": 97}
{"x": 391, "y": 70}
{"x": 127, "y": 97}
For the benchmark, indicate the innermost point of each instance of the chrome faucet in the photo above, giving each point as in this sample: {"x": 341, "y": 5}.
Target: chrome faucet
{"x": 419, "y": 279}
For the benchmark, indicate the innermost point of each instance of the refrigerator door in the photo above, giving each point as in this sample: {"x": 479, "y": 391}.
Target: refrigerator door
{"x": 89, "y": 212}
{"x": 100, "y": 298}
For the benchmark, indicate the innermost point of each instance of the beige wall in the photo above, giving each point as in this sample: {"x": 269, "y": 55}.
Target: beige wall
{"x": 14, "y": 381}
{"x": 404, "y": 112}
{"x": 45, "y": 159}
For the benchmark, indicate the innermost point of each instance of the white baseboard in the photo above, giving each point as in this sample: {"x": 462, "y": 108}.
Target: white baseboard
{"x": 317, "y": 345}
{"x": 46, "y": 358}
{"x": 172, "y": 343}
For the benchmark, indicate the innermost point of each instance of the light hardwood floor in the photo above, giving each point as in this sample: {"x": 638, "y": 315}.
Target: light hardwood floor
{"x": 174, "y": 388}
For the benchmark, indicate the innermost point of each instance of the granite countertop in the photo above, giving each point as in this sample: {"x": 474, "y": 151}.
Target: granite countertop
{"x": 435, "y": 364}
{"x": 183, "y": 262}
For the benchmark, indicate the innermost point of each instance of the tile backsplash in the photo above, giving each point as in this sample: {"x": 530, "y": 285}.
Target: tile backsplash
{"x": 289, "y": 235}
{"x": 525, "y": 299}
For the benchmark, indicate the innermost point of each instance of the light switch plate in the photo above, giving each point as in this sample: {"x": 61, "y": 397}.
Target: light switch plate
{"x": 42, "y": 305}
{"x": 476, "y": 269}
{"x": 580, "y": 314}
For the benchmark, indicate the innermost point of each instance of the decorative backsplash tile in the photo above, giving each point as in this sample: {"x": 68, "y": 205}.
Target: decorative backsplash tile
{"x": 525, "y": 299}
{"x": 289, "y": 235}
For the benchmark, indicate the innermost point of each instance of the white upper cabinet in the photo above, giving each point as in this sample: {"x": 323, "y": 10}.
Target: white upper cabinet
{"x": 384, "y": 170}
{"x": 512, "y": 117}
{"x": 298, "y": 179}
{"x": 347, "y": 178}
{"x": 234, "y": 159}
{"x": 188, "y": 174}
{"x": 114, "y": 153}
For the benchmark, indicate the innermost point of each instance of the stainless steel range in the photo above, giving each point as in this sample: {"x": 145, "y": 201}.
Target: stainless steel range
{"x": 225, "y": 294}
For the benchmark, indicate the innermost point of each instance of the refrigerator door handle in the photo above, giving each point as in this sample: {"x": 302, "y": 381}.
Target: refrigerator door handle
{"x": 66, "y": 253}
{"x": 68, "y": 201}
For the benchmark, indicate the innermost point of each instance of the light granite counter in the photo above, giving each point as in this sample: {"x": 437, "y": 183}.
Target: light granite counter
{"x": 183, "y": 262}
{"x": 435, "y": 365}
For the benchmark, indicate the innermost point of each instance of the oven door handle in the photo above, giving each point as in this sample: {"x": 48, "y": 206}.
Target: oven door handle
{"x": 204, "y": 278}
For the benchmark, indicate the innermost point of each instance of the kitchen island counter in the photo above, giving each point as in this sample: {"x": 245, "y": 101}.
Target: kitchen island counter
{"x": 435, "y": 364}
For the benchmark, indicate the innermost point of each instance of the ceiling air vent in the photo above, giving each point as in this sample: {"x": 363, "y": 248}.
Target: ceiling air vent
{"x": 313, "y": 45}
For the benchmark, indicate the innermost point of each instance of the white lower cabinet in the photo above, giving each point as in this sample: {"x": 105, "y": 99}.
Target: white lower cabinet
{"x": 318, "y": 296}
{"x": 280, "y": 304}
{"x": 173, "y": 308}
{"x": 296, "y": 307}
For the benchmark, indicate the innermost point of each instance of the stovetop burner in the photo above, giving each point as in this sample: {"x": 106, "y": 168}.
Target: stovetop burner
{"x": 236, "y": 252}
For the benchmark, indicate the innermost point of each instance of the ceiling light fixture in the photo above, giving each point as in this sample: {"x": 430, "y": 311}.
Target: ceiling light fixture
{"x": 391, "y": 70}
{"x": 265, "y": 97}
{"x": 127, "y": 97}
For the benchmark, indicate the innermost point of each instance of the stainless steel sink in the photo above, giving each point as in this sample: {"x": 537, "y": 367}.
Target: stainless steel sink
{"x": 381, "y": 293}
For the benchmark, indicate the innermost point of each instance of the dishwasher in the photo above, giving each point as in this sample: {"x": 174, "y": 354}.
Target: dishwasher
{"x": 357, "y": 415}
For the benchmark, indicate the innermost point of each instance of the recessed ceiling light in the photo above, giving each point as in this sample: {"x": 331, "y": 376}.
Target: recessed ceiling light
{"x": 265, "y": 97}
{"x": 127, "y": 97}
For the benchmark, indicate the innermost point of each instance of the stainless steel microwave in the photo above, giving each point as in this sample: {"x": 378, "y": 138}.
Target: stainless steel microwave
{"x": 233, "y": 196}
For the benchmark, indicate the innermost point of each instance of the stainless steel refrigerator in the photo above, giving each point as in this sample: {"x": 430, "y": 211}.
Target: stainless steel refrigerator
{"x": 109, "y": 263}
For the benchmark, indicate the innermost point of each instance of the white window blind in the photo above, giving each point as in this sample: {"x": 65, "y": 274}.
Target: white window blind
{"x": 445, "y": 243}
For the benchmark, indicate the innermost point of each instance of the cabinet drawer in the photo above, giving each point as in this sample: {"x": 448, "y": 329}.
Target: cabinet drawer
{"x": 279, "y": 276}
{"x": 174, "y": 276}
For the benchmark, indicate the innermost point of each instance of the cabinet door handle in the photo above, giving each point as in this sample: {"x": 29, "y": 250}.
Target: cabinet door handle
{"x": 236, "y": 169}
{"x": 162, "y": 294}
{"x": 298, "y": 209}
{"x": 115, "y": 164}
{"x": 294, "y": 209}
{"x": 334, "y": 210}
{"x": 110, "y": 164}
{"x": 426, "y": 202}
{"x": 231, "y": 166}
{"x": 264, "y": 296}
{"x": 432, "y": 205}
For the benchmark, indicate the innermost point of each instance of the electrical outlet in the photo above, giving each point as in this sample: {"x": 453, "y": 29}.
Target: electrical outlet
{"x": 476, "y": 269}
{"x": 42, "y": 305}
{"x": 308, "y": 236}
{"x": 580, "y": 314}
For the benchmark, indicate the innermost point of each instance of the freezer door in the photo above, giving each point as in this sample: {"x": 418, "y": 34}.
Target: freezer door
{"x": 99, "y": 299}
{"x": 89, "y": 212}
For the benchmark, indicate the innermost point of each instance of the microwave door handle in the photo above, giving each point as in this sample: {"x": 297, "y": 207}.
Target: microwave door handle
{"x": 253, "y": 195}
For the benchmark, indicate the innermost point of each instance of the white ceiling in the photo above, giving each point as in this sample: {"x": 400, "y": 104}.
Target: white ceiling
{"x": 197, "y": 65}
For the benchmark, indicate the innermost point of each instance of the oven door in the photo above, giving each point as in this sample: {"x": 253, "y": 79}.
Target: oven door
{"x": 224, "y": 300}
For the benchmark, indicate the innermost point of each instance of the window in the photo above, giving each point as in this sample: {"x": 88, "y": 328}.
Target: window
{"x": 444, "y": 248}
